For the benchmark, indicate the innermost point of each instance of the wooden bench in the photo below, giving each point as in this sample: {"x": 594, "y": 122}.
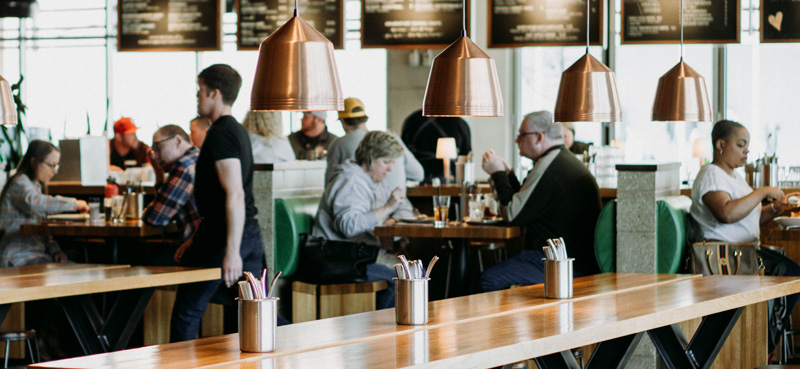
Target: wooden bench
{"x": 313, "y": 301}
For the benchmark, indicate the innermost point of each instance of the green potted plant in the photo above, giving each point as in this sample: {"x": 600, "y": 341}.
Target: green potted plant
{"x": 11, "y": 146}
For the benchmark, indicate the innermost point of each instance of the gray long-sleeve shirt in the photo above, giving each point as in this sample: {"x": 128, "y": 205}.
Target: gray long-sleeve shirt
{"x": 345, "y": 210}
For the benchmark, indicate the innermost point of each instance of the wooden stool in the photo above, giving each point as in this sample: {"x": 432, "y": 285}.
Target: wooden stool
{"x": 28, "y": 336}
{"x": 312, "y": 301}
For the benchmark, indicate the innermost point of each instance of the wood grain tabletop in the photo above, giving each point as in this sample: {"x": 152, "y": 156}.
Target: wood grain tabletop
{"x": 94, "y": 279}
{"x": 357, "y": 328}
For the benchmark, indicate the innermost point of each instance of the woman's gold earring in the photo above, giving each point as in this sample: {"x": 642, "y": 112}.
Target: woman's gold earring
{"x": 720, "y": 151}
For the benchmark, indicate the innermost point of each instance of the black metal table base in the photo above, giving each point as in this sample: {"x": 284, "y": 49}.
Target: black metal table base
{"x": 669, "y": 341}
{"x": 97, "y": 334}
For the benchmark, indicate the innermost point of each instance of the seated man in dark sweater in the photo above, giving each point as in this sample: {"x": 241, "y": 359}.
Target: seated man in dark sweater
{"x": 559, "y": 198}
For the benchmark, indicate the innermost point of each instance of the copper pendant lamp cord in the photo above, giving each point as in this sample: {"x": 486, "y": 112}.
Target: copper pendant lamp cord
{"x": 681, "y": 30}
{"x": 587, "y": 25}
{"x": 464, "y": 18}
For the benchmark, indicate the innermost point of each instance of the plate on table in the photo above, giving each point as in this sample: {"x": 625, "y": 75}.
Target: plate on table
{"x": 486, "y": 221}
{"x": 788, "y": 221}
{"x": 417, "y": 220}
{"x": 72, "y": 217}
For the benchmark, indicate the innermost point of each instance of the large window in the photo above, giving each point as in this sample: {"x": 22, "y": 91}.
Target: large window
{"x": 75, "y": 78}
{"x": 760, "y": 80}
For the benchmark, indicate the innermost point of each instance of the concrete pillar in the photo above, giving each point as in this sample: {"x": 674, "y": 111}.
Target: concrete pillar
{"x": 639, "y": 186}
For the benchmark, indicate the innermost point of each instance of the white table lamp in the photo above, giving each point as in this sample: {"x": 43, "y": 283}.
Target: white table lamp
{"x": 446, "y": 150}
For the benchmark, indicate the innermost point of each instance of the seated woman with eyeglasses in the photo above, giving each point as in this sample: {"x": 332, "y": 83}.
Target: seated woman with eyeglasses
{"x": 22, "y": 202}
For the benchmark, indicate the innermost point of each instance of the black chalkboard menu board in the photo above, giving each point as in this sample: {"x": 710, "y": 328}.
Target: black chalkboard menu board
{"x": 659, "y": 21}
{"x": 779, "y": 21}
{"x": 168, "y": 25}
{"x": 259, "y": 18}
{"x": 515, "y": 23}
{"x": 411, "y": 23}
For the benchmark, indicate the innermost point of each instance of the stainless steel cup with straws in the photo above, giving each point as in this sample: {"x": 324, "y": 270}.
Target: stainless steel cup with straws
{"x": 557, "y": 270}
{"x": 258, "y": 314}
{"x": 411, "y": 291}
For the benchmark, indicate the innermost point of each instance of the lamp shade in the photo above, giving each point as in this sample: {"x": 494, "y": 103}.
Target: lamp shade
{"x": 588, "y": 93}
{"x": 463, "y": 82}
{"x": 8, "y": 111}
{"x": 446, "y": 148}
{"x": 296, "y": 70}
{"x": 681, "y": 96}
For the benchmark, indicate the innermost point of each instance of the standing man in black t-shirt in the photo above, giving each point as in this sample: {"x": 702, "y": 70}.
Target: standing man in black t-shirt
{"x": 228, "y": 235}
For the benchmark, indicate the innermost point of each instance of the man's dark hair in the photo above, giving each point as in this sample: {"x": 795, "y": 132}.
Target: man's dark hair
{"x": 355, "y": 121}
{"x": 223, "y": 78}
{"x": 723, "y": 129}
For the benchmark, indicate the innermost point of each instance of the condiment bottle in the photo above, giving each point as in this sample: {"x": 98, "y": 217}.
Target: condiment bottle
{"x": 111, "y": 190}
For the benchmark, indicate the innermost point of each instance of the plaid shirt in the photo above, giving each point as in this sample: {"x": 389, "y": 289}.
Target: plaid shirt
{"x": 175, "y": 198}
{"x": 24, "y": 203}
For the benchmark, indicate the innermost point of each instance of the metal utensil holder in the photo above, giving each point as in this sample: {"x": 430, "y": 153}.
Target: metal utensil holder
{"x": 411, "y": 297}
{"x": 257, "y": 322}
{"x": 558, "y": 278}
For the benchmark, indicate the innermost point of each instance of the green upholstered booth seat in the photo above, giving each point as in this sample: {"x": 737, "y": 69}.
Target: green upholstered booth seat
{"x": 293, "y": 216}
{"x": 671, "y": 241}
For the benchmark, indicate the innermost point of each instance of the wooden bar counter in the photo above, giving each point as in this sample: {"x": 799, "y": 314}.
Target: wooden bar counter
{"x": 352, "y": 329}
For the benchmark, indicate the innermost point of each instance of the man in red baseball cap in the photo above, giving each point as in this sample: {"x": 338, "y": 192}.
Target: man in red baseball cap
{"x": 125, "y": 147}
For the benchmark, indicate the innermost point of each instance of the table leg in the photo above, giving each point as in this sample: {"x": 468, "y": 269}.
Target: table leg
{"x": 614, "y": 353}
{"x": 4, "y": 311}
{"x": 559, "y": 360}
{"x": 97, "y": 335}
{"x": 114, "y": 244}
{"x": 609, "y": 354}
{"x": 458, "y": 259}
{"x": 705, "y": 345}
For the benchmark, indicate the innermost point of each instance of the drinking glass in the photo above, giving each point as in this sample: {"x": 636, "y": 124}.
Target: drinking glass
{"x": 118, "y": 213}
{"x": 441, "y": 210}
{"x": 475, "y": 207}
{"x": 94, "y": 209}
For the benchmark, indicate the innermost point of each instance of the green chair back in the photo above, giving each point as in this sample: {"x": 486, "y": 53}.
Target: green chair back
{"x": 293, "y": 216}
{"x": 670, "y": 243}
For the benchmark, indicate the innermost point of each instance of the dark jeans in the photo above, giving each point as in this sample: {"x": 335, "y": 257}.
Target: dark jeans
{"x": 208, "y": 250}
{"x": 777, "y": 264}
{"x": 376, "y": 272}
{"x": 525, "y": 268}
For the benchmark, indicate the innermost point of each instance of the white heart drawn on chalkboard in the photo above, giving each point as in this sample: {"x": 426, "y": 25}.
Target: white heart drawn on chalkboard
{"x": 775, "y": 20}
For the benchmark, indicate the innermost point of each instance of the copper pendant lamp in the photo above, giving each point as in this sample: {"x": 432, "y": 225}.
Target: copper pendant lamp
{"x": 463, "y": 81}
{"x": 8, "y": 111}
{"x": 588, "y": 90}
{"x": 681, "y": 95}
{"x": 296, "y": 70}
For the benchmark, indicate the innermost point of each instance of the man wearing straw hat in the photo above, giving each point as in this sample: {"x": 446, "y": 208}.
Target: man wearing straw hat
{"x": 559, "y": 198}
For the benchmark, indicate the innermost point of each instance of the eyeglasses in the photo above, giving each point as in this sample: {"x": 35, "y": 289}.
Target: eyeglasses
{"x": 522, "y": 134}
{"x": 53, "y": 166}
{"x": 157, "y": 144}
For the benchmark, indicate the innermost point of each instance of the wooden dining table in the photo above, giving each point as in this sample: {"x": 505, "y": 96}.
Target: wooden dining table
{"x": 73, "y": 284}
{"x": 458, "y": 235}
{"x": 497, "y": 328}
{"x": 110, "y": 231}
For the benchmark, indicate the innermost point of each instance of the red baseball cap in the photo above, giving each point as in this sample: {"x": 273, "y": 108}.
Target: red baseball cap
{"x": 124, "y": 125}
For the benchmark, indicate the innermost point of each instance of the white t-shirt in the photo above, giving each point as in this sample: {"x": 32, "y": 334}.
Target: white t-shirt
{"x": 711, "y": 179}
